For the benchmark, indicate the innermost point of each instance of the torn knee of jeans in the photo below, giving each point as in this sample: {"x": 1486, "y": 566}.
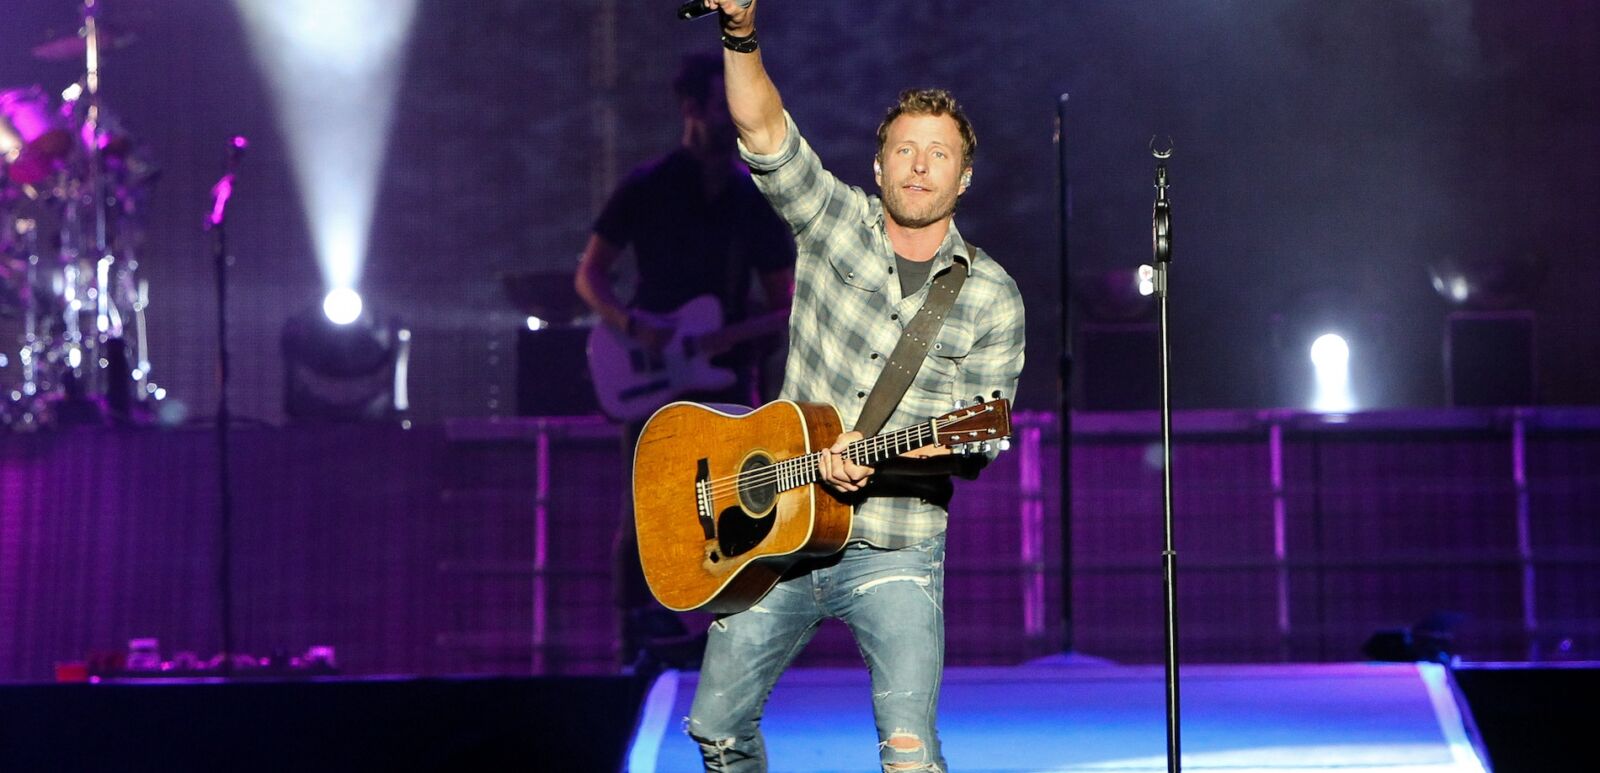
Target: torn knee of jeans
{"x": 709, "y": 743}
{"x": 719, "y": 744}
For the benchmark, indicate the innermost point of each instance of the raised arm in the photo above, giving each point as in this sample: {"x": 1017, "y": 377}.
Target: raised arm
{"x": 753, "y": 100}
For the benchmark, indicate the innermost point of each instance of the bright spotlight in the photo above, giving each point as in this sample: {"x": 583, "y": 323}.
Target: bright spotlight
{"x": 343, "y": 306}
{"x": 1147, "y": 279}
{"x": 1330, "y": 356}
{"x": 1330, "y": 351}
{"x": 535, "y": 323}
{"x": 334, "y": 69}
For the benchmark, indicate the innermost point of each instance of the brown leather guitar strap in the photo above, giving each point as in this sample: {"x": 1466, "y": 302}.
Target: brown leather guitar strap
{"x": 912, "y": 349}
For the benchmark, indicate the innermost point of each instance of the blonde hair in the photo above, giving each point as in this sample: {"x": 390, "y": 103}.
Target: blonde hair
{"x": 931, "y": 102}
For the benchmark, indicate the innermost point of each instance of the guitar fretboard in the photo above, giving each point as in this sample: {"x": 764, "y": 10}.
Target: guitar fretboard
{"x": 802, "y": 470}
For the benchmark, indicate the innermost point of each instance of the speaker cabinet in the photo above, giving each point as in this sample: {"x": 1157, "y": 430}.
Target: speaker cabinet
{"x": 1489, "y": 358}
{"x": 553, "y": 373}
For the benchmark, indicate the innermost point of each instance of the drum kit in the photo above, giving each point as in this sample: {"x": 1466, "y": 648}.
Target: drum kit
{"x": 74, "y": 185}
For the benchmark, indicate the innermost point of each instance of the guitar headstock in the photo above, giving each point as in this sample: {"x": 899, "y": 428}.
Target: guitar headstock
{"x": 975, "y": 428}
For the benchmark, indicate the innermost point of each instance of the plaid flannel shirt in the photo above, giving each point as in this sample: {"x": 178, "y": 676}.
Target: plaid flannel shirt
{"x": 848, "y": 314}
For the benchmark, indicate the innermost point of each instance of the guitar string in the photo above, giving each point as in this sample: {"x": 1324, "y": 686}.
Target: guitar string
{"x": 800, "y": 464}
{"x": 790, "y": 468}
{"x": 861, "y": 449}
{"x": 793, "y": 466}
{"x": 720, "y": 486}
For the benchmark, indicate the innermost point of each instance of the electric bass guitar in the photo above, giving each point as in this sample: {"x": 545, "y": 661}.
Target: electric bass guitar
{"x": 631, "y": 382}
{"x": 724, "y": 504}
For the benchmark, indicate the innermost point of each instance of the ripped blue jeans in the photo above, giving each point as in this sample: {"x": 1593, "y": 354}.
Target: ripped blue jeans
{"x": 893, "y": 602}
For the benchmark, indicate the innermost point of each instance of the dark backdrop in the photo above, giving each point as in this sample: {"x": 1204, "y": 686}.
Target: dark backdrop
{"x": 1326, "y": 156}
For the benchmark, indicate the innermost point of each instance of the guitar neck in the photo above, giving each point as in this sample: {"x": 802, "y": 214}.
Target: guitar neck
{"x": 802, "y": 470}
{"x": 719, "y": 341}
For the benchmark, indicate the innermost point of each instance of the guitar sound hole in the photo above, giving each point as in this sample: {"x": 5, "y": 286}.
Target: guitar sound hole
{"x": 740, "y": 529}
{"x": 756, "y": 491}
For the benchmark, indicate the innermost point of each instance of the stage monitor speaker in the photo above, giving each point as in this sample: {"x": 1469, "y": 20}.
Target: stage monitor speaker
{"x": 1120, "y": 366}
{"x": 1489, "y": 358}
{"x": 553, "y": 373}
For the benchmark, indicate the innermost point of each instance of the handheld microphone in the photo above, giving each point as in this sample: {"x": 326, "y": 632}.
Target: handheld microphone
{"x": 695, "y": 9}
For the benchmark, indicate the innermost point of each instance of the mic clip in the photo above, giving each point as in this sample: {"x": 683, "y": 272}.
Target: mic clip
{"x": 1161, "y": 213}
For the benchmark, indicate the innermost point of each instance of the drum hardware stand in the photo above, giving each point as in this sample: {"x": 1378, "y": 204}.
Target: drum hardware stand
{"x": 33, "y": 346}
{"x": 217, "y": 223}
{"x": 140, "y": 303}
{"x": 1161, "y": 238}
{"x": 114, "y": 388}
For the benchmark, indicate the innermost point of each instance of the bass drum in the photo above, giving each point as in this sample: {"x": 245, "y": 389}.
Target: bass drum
{"x": 34, "y": 139}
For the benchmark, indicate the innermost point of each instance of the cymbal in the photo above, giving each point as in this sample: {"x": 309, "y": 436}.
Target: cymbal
{"x": 74, "y": 47}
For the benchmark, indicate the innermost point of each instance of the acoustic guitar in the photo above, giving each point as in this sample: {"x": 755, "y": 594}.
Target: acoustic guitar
{"x": 724, "y": 503}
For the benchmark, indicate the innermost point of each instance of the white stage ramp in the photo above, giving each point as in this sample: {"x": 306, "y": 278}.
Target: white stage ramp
{"x": 1353, "y": 718}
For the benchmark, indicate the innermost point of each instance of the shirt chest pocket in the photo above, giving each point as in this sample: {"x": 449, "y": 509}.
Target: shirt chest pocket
{"x": 857, "y": 270}
{"x": 943, "y": 363}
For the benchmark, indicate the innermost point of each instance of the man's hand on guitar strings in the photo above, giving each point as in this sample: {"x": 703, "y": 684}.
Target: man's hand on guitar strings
{"x": 839, "y": 472}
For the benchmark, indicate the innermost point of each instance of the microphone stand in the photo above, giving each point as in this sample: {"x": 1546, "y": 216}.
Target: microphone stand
{"x": 217, "y": 223}
{"x": 1161, "y": 237}
{"x": 1064, "y": 374}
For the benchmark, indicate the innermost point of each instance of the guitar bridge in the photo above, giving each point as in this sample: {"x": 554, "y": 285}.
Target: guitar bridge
{"x": 702, "y": 499}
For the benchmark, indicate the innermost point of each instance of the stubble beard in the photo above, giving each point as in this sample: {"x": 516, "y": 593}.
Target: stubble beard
{"x": 931, "y": 212}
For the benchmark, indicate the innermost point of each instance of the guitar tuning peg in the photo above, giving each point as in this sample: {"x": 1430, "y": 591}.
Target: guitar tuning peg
{"x": 986, "y": 446}
{"x": 1005, "y": 444}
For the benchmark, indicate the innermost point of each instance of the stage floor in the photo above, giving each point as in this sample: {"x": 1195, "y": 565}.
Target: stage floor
{"x": 1394, "y": 718}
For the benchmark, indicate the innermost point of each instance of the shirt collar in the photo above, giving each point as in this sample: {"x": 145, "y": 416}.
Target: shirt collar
{"x": 953, "y": 248}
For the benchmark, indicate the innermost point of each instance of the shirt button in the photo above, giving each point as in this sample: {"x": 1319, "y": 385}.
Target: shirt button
{"x": 861, "y": 394}
{"x": 874, "y": 355}
{"x": 894, "y": 316}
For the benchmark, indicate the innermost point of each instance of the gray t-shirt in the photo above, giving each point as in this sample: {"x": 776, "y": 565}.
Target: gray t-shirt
{"x": 912, "y": 274}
